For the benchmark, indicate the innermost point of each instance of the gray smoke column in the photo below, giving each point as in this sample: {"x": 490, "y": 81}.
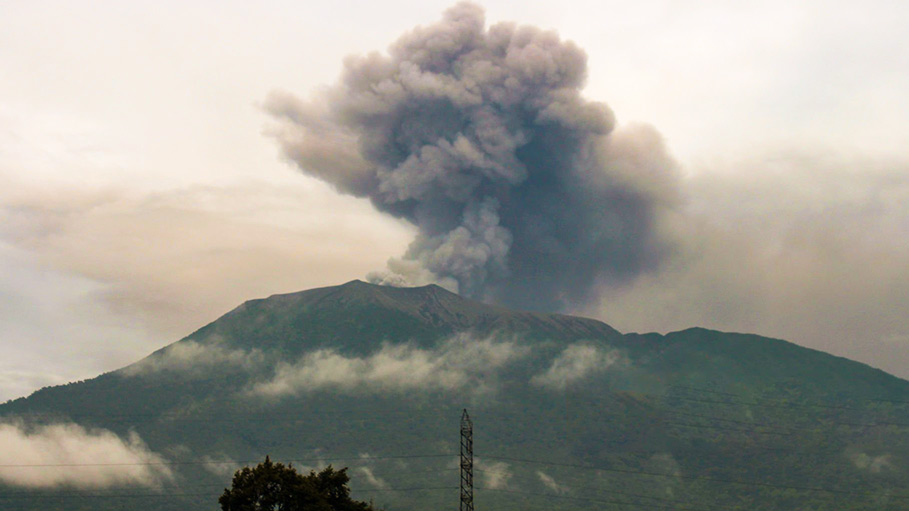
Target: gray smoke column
{"x": 522, "y": 191}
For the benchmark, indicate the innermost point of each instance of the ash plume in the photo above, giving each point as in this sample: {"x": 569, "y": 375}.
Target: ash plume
{"x": 521, "y": 190}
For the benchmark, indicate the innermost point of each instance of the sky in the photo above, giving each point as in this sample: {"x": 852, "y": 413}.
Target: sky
{"x": 143, "y": 192}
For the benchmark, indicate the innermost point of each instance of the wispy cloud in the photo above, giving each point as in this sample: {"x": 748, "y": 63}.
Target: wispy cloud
{"x": 220, "y": 465}
{"x": 575, "y": 363}
{"x": 873, "y": 464}
{"x": 495, "y": 474}
{"x": 191, "y": 357}
{"x": 550, "y": 482}
{"x": 367, "y": 472}
{"x": 458, "y": 362}
{"x": 372, "y": 478}
{"x": 70, "y": 455}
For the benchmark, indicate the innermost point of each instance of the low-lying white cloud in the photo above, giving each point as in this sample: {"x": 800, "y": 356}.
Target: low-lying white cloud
{"x": 575, "y": 363}
{"x": 220, "y": 465}
{"x": 372, "y": 478}
{"x": 191, "y": 356}
{"x": 367, "y": 472}
{"x": 460, "y": 362}
{"x": 550, "y": 482}
{"x": 70, "y": 455}
{"x": 873, "y": 464}
{"x": 495, "y": 474}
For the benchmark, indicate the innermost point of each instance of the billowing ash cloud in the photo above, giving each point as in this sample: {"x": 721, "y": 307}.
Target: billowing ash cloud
{"x": 521, "y": 190}
{"x": 70, "y": 455}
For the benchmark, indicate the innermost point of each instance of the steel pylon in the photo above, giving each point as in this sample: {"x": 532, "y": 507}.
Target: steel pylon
{"x": 466, "y": 462}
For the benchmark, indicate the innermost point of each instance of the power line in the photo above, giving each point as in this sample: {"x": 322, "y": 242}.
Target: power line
{"x": 699, "y": 478}
{"x": 258, "y": 416}
{"x": 206, "y": 494}
{"x": 221, "y": 485}
{"x": 252, "y": 416}
{"x": 228, "y": 462}
{"x": 792, "y": 406}
{"x": 606, "y": 490}
{"x": 105, "y": 496}
{"x": 594, "y": 501}
{"x": 814, "y": 404}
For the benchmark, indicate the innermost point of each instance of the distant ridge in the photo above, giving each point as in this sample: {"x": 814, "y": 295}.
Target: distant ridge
{"x": 381, "y": 313}
{"x": 375, "y": 378}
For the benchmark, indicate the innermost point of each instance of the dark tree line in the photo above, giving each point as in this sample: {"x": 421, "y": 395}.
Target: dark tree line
{"x": 275, "y": 487}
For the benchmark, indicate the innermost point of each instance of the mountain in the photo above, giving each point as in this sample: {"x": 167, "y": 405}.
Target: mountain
{"x": 567, "y": 411}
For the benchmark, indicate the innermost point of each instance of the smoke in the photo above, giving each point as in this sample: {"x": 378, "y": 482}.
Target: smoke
{"x": 521, "y": 190}
{"x": 70, "y": 455}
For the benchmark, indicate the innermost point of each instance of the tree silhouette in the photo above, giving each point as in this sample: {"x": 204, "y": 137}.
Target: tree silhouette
{"x": 275, "y": 487}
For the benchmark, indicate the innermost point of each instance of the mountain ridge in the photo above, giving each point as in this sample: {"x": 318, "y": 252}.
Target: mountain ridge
{"x": 421, "y": 310}
{"x": 360, "y": 368}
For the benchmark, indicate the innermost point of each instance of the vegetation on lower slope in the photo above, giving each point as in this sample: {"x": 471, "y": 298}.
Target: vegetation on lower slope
{"x": 571, "y": 415}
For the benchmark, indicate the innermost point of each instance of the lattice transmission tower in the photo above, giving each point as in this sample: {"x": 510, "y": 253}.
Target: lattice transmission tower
{"x": 466, "y": 462}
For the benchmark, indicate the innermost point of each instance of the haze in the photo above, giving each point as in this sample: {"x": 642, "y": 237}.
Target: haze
{"x": 140, "y": 196}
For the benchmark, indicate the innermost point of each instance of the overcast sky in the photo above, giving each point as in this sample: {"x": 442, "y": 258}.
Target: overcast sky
{"x": 140, "y": 198}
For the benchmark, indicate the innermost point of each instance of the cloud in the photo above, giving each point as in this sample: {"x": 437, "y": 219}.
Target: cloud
{"x": 220, "y": 465}
{"x": 458, "y": 363}
{"x": 371, "y": 477}
{"x": 70, "y": 455}
{"x": 15, "y": 383}
{"x": 189, "y": 356}
{"x": 793, "y": 245}
{"x": 575, "y": 363}
{"x": 94, "y": 279}
{"x": 521, "y": 190}
{"x": 495, "y": 474}
{"x": 550, "y": 482}
{"x": 369, "y": 474}
{"x": 50, "y": 325}
{"x": 873, "y": 464}
{"x": 161, "y": 257}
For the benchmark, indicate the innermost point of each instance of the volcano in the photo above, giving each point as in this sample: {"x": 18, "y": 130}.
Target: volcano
{"x": 568, "y": 412}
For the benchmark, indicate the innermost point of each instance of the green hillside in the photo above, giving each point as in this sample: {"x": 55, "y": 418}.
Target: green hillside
{"x": 568, "y": 412}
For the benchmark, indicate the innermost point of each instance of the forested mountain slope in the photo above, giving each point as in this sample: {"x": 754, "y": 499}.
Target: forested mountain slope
{"x": 568, "y": 412}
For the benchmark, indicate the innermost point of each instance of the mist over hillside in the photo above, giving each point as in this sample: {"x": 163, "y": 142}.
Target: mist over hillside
{"x": 521, "y": 197}
{"x": 568, "y": 412}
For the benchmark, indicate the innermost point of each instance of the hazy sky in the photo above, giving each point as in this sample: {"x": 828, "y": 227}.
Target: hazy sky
{"x": 141, "y": 199}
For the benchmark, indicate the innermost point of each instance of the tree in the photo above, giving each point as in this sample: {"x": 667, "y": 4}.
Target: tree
{"x": 275, "y": 487}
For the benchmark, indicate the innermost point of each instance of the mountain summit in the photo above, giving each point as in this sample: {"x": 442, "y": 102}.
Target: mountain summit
{"x": 567, "y": 411}
{"x": 357, "y": 315}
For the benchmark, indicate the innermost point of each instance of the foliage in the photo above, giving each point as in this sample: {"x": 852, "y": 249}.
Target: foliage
{"x": 273, "y": 486}
{"x": 697, "y": 420}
